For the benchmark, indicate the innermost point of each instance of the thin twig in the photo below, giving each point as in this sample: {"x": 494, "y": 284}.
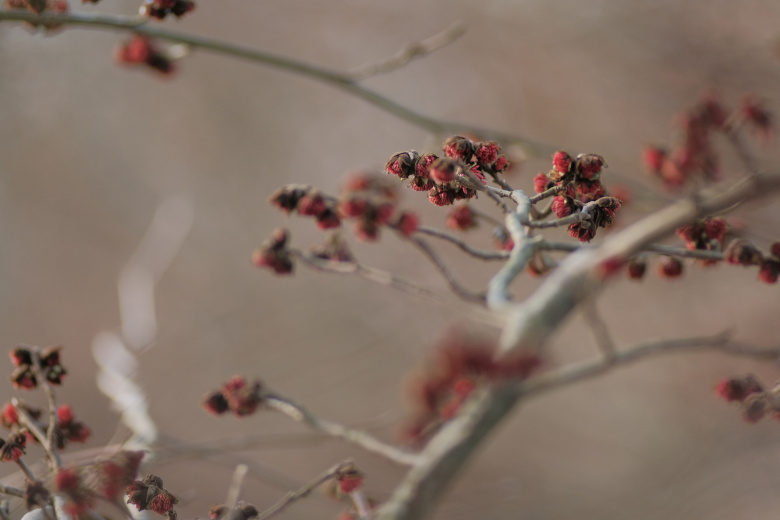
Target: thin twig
{"x": 303, "y": 492}
{"x": 410, "y": 52}
{"x": 340, "y": 80}
{"x": 361, "y": 438}
{"x": 555, "y": 190}
{"x": 29, "y": 423}
{"x": 234, "y": 491}
{"x": 51, "y": 450}
{"x": 26, "y": 469}
{"x": 456, "y": 287}
{"x": 463, "y": 246}
{"x": 599, "y": 329}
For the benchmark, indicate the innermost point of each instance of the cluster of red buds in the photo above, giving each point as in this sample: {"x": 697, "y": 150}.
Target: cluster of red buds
{"x": 755, "y": 401}
{"x": 461, "y": 364}
{"x": 161, "y": 8}
{"x": 13, "y": 447}
{"x": 461, "y": 218}
{"x": 741, "y": 252}
{"x": 344, "y": 481}
{"x": 274, "y": 253}
{"x": 32, "y": 363}
{"x": 142, "y": 50}
{"x": 371, "y": 202}
{"x": 707, "y": 234}
{"x": 68, "y": 429}
{"x": 241, "y": 511}
{"x": 578, "y": 182}
{"x": 71, "y": 484}
{"x": 307, "y": 202}
{"x": 149, "y": 493}
{"x": 39, "y": 7}
{"x": 237, "y": 396}
{"x": 695, "y": 155}
{"x": 452, "y": 177}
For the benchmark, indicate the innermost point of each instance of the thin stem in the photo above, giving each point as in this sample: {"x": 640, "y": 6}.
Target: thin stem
{"x": 339, "y": 80}
{"x": 456, "y": 287}
{"x": 599, "y": 328}
{"x": 303, "y": 492}
{"x": 361, "y": 438}
{"x": 410, "y": 52}
{"x": 555, "y": 190}
{"x": 463, "y": 246}
{"x": 26, "y": 469}
{"x": 234, "y": 491}
{"x": 51, "y": 449}
{"x": 29, "y": 423}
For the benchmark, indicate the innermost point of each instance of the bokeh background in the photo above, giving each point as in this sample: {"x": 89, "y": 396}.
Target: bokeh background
{"x": 89, "y": 150}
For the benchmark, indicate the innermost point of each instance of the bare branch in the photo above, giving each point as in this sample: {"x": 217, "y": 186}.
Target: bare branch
{"x": 303, "y": 492}
{"x": 361, "y": 438}
{"x": 463, "y": 246}
{"x": 29, "y": 423}
{"x": 410, "y": 52}
{"x": 334, "y": 78}
{"x": 600, "y": 329}
{"x": 456, "y": 287}
{"x": 10, "y": 490}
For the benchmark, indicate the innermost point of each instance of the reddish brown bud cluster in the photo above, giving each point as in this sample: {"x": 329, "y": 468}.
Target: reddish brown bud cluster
{"x": 695, "y": 155}
{"x": 348, "y": 479}
{"x": 460, "y": 365}
{"x": 32, "y": 362}
{"x": 70, "y": 483}
{"x": 13, "y": 448}
{"x": 237, "y": 396}
{"x": 274, "y": 254}
{"x": 754, "y": 114}
{"x": 334, "y": 249}
{"x": 308, "y": 202}
{"x": 116, "y": 473}
{"x": 149, "y": 493}
{"x": 161, "y": 8}
{"x": 39, "y": 7}
{"x": 371, "y": 202}
{"x": 601, "y": 216}
{"x": 461, "y": 218}
{"x": 69, "y": 429}
{"x": 670, "y": 267}
{"x": 36, "y": 495}
{"x": 707, "y": 234}
{"x": 142, "y": 50}
{"x": 445, "y": 178}
{"x": 741, "y": 252}
{"x": 636, "y": 268}
{"x": 755, "y": 401}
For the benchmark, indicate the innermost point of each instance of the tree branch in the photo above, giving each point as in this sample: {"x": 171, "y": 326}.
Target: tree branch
{"x": 337, "y": 79}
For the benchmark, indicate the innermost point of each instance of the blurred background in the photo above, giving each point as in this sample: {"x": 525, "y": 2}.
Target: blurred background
{"x": 89, "y": 150}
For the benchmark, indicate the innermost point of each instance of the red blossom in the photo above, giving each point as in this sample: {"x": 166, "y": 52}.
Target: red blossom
{"x": 653, "y": 158}
{"x": 459, "y": 147}
{"x": 461, "y": 218}
{"x": 769, "y": 271}
{"x": 636, "y": 269}
{"x": 562, "y": 162}
{"x": 670, "y": 267}
{"x": 443, "y": 170}
{"x": 590, "y": 165}
{"x": 440, "y": 197}
{"x": 561, "y": 206}
{"x": 408, "y": 223}
{"x": 141, "y": 50}
{"x": 10, "y": 416}
{"x": 487, "y": 154}
{"x": 542, "y": 183}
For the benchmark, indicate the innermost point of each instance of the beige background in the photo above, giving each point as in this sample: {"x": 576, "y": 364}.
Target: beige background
{"x": 88, "y": 150}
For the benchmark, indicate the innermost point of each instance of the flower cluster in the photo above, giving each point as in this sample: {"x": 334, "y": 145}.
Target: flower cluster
{"x": 741, "y": 252}
{"x": 32, "y": 362}
{"x": 371, "y": 202}
{"x": 71, "y": 484}
{"x": 161, "y": 8}
{"x": 696, "y": 155}
{"x": 274, "y": 254}
{"x": 68, "y": 429}
{"x": 707, "y": 234}
{"x": 755, "y": 401}
{"x": 460, "y": 365}
{"x": 577, "y": 180}
{"x": 237, "y": 396}
{"x": 307, "y": 202}
{"x": 142, "y": 50}
{"x": 117, "y": 473}
{"x": 13, "y": 447}
{"x": 452, "y": 177}
{"x": 461, "y": 218}
{"x": 149, "y": 493}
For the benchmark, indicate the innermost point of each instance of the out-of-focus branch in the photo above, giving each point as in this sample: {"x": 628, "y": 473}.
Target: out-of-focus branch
{"x": 40, "y": 435}
{"x": 304, "y": 491}
{"x": 340, "y": 80}
{"x": 10, "y": 490}
{"x": 410, "y": 52}
{"x": 529, "y": 325}
{"x": 361, "y": 438}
